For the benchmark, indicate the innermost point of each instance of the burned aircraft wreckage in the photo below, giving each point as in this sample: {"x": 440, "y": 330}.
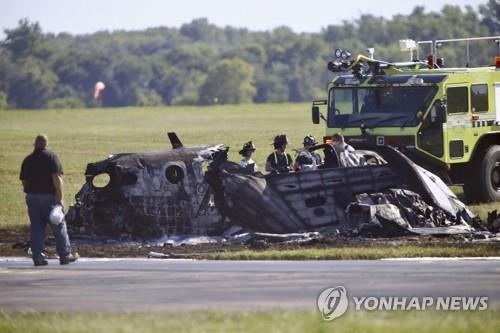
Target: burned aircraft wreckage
{"x": 197, "y": 191}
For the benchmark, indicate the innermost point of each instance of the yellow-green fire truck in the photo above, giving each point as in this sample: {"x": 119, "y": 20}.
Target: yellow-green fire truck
{"x": 445, "y": 119}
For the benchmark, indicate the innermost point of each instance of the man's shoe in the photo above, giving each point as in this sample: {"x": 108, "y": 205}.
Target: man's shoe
{"x": 42, "y": 262}
{"x": 68, "y": 259}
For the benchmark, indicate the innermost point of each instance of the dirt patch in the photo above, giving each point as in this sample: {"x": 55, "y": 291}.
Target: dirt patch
{"x": 14, "y": 242}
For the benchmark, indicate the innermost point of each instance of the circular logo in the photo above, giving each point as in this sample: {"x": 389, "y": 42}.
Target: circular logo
{"x": 333, "y": 303}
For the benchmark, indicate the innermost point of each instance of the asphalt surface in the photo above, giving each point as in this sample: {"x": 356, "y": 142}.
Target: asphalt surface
{"x": 159, "y": 284}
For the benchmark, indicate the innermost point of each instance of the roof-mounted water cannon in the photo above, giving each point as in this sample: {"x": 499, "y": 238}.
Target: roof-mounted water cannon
{"x": 365, "y": 64}
{"x": 360, "y": 67}
{"x": 342, "y": 62}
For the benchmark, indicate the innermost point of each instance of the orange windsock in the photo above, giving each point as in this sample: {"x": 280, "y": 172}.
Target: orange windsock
{"x": 98, "y": 89}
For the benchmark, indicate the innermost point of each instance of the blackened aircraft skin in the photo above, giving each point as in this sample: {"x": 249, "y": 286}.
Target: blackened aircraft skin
{"x": 148, "y": 195}
{"x": 197, "y": 191}
{"x": 311, "y": 200}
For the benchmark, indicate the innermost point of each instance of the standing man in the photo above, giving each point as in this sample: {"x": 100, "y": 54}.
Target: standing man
{"x": 279, "y": 161}
{"x": 41, "y": 175}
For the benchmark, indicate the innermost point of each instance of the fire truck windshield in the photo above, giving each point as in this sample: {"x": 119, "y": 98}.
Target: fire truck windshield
{"x": 386, "y": 106}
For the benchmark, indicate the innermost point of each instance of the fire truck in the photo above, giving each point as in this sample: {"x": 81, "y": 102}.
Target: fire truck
{"x": 445, "y": 119}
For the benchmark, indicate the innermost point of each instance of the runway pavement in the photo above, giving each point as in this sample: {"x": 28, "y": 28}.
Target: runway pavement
{"x": 159, "y": 284}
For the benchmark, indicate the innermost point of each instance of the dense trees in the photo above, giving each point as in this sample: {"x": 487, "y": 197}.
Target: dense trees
{"x": 491, "y": 16}
{"x": 230, "y": 81}
{"x": 25, "y": 40}
{"x": 200, "y": 63}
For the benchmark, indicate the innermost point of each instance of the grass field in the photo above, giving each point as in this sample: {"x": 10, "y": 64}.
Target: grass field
{"x": 88, "y": 135}
{"x": 359, "y": 253}
{"x": 272, "y": 322}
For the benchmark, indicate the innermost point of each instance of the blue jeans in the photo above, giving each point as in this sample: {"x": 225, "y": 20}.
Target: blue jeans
{"x": 39, "y": 206}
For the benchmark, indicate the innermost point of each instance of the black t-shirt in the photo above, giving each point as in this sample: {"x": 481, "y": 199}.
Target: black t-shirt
{"x": 279, "y": 162}
{"x": 37, "y": 170}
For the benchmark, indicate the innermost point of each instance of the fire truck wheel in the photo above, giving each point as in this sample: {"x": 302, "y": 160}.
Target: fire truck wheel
{"x": 490, "y": 174}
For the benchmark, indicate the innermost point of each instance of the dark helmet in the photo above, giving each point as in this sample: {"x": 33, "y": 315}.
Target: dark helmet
{"x": 310, "y": 141}
{"x": 280, "y": 140}
{"x": 248, "y": 146}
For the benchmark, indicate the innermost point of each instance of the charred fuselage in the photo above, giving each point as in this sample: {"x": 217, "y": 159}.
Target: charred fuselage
{"x": 197, "y": 191}
{"x": 147, "y": 195}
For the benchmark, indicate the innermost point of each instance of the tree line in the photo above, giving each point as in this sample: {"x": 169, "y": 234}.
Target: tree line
{"x": 200, "y": 63}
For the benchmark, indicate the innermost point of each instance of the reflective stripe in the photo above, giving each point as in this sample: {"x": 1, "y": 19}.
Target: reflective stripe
{"x": 276, "y": 159}
{"x": 485, "y": 123}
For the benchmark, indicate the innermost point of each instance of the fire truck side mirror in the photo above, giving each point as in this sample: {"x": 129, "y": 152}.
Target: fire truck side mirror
{"x": 315, "y": 114}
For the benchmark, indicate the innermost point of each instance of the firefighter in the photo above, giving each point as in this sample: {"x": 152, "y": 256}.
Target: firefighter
{"x": 308, "y": 160}
{"x": 310, "y": 141}
{"x": 247, "y": 162}
{"x": 279, "y": 161}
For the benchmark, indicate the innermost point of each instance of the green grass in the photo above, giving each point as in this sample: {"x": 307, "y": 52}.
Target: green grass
{"x": 359, "y": 253}
{"x": 244, "y": 321}
{"x": 88, "y": 135}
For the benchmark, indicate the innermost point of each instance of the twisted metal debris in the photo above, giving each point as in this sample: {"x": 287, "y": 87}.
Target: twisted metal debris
{"x": 197, "y": 191}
